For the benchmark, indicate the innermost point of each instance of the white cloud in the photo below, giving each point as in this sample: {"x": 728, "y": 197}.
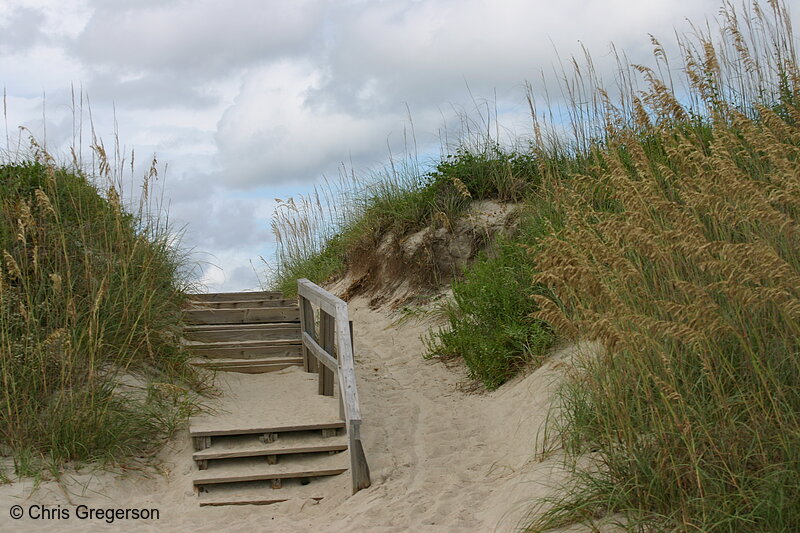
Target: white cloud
{"x": 204, "y": 37}
{"x": 21, "y": 29}
{"x": 275, "y": 132}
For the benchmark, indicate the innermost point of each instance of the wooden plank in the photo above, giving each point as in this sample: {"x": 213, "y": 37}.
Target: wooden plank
{"x": 250, "y": 366}
{"x": 241, "y": 316}
{"x": 256, "y": 469}
{"x": 319, "y": 296}
{"x": 241, "y": 344}
{"x": 251, "y": 446}
{"x": 307, "y": 329}
{"x": 223, "y": 296}
{"x": 259, "y": 369}
{"x": 282, "y": 349}
{"x": 247, "y": 430}
{"x": 285, "y": 332}
{"x": 249, "y": 362}
{"x": 359, "y": 469}
{"x": 347, "y": 372}
{"x": 226, "y": 327}
{"x": 238, "y": 304}
{"x": 342, "y": 414}
{"x": 327, "y": 330}
{"x": 319, "y": 353}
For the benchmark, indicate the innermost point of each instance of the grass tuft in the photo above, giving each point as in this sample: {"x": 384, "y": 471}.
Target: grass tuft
{"x": 90, "y": 298}
{"x": 490, "y": 323}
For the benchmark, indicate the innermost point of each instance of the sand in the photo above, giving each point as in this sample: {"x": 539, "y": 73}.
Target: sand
{"x": 442, "y": 459}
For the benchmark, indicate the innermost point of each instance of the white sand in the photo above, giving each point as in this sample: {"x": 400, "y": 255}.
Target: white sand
{"x": 441, "y": 459}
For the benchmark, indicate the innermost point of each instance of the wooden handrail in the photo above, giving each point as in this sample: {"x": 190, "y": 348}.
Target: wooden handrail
{"x": 341, "y": 362}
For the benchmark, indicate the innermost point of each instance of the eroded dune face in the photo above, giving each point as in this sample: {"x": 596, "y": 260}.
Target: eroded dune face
{"x": 442, "y": 458}
{"x": 398, "y": 266}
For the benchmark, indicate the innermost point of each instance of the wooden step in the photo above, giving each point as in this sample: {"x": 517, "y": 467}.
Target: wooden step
{"x": 235, "y": 296}
{"x": 239, "y": 343}
{"x": 263, "y": 428}
{"x": 249, "y": 366}
{"x": 242, "y": 332}
{"x": 241, "y": 316}
{"x": 257, "y": 468}
{"x": 225, "y": 327}
{"x": 262, "y": 493}
{"x": 262, "y": 350}
{"x": 238, "y": 304}
{"x": 251, "y": 445}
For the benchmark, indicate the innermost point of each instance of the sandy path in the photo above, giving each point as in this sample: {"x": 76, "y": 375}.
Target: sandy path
{"x": 441, "y": 459}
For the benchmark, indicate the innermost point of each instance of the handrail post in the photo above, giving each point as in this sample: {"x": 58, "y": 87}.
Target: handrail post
{"x": 327, "y": 329}
{"x": 307, "y": 325}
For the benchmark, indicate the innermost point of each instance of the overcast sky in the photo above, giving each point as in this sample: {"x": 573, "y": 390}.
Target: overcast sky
{"x": 249, "y": 100}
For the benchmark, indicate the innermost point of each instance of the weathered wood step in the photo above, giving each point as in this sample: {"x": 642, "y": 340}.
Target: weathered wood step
{"x": 225, "y": 327}
{"x": 242, "y": 332}
{"x": 260, "y": 428}
{"x": 241, "y": 316}
{"x": 257, "y": 468}
{"x": 237, "y": 296}
{"x": 249, "y": 366}
{"x": 256, "y": 351}
{"x": 252, "y": 446}
{"x": 262, "y": 493}
{"x": 238, "y": 304}
{"x": 239, "y": 343}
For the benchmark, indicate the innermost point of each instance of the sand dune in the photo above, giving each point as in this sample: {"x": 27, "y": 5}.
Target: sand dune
{"x": 441, "y": 459}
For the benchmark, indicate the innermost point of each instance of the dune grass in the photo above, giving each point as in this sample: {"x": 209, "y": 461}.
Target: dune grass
{"x": 667, "y": 229}
{"x": 692, "y": 283}
{"x": 319, "y": 235}
{"x": 680, "y": 253}
{"x": 90, "y": 301}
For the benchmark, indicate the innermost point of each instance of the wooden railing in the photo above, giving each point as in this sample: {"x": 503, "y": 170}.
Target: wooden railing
{"x": 331, "y": 351}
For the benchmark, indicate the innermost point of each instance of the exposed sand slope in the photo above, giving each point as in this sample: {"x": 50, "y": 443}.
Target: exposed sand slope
{"x": 441, "y": 459}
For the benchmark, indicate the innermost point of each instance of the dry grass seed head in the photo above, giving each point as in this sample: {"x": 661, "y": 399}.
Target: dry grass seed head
{"x": 12, "y": 266}
{"x": 43, "y": 201}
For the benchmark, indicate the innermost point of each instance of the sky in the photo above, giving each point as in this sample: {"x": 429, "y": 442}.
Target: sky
{"x": 246, "y": 101}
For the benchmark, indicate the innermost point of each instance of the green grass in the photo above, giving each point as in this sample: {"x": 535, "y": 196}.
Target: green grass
{"x": 89, "y": 293}
{"x": 489, "y": 317}
{"x": 318, "y": 268}
{"x": 321, "y": 235}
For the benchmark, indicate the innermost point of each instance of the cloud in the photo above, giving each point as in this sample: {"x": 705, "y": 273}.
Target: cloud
{"x": 205, "y": 38}
{"x": 222, "y": 222}
{"x": 21, "y": 29}
{"x": 275, "y": 133}
{"x": 426, "y": 53}
{"x": 149, "y": 91}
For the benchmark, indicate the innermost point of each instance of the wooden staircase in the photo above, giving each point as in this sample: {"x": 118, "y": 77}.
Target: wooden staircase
{"x": 272, "y": 435}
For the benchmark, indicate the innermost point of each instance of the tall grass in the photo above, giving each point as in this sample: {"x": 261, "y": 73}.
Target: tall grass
{"x": 90, "y": 299}
{"x": 681, "y": 254}
{"x": 676, "y": 245}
